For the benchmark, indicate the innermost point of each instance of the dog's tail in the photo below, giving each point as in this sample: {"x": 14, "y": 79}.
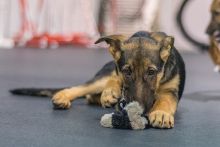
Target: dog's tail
{"x": 40, "y": 92}
{"x": 200, "y": 45}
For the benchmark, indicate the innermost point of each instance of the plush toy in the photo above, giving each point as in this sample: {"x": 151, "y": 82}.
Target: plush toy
{"x": 129, "y": 116}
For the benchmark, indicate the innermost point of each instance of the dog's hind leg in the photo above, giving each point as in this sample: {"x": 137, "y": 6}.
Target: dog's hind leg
{"x": 63, "y": 98}
{"x": 91, "y": 89}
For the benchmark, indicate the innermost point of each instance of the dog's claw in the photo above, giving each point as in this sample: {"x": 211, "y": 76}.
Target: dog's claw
{"x": 161, "y": 119}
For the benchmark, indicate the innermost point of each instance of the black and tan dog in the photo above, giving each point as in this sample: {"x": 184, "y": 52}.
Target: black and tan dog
{"x": 146, "y": 68}
{"x": 213, "y": 31}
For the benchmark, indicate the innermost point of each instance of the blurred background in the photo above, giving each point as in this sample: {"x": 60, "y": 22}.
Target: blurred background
{"x": 54, "y": 23}
{"x": 50, "y": 44}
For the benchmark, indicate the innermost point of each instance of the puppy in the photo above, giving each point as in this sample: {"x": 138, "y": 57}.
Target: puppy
{"x": 147, "y": 68}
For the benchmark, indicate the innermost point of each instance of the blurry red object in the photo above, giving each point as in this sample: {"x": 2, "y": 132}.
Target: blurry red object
{"x": 46, "y": 40}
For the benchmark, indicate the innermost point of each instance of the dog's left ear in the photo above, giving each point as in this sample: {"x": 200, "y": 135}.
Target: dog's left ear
{"x": 115, "y": 42}
{"x": 167, "y": 45}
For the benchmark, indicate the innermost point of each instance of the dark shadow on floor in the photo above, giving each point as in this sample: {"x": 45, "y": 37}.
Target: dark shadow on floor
{"x": 204, "y": 96}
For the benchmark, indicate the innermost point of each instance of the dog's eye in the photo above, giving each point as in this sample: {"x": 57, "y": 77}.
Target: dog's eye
{"x": 127, "y": 72}
{"x": 216, "y": 13}
{"x": 151, "y": 71}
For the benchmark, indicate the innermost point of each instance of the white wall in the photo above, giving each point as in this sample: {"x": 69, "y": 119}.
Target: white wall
{"x": 196, "y": 18}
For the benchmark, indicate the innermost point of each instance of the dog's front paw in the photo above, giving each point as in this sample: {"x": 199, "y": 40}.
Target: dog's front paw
{"x": 61, "y": 100}
{"x": 110, "y": 97}
{"x": 161, "y": 119}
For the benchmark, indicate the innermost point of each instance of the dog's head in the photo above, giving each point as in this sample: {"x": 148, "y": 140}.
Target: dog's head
{"x": 140, "y": 61}
{"x": 215, "y": 17}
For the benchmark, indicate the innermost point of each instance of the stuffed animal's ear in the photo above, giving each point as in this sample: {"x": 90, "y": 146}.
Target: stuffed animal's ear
{"x": 167, "y": 45}
{"x": 115, "y": 42}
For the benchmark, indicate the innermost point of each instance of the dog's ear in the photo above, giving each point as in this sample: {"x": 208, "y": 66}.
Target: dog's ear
{"x": 115, "y": 42}
{"x": 167, "y": 45}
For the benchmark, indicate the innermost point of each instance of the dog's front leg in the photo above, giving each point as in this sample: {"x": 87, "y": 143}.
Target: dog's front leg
{"x": 162, "y": 113}
{"x": 111, "y": 92}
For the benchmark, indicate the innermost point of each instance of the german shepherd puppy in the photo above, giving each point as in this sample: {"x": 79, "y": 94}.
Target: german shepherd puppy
{"x": 147, "y": 68}
{"x": 213, "y": 31}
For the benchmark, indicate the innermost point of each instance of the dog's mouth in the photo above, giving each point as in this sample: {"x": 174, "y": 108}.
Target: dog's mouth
{"x": 146, "y": 104}
{"x": 216, "y": 36}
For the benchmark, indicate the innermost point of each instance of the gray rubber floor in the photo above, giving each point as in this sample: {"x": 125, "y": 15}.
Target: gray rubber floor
{"x": 31, "y": 122}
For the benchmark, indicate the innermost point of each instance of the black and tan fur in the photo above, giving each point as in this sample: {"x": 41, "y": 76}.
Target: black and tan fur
{"x": 213, "y": 31}
{"x": 146, "y": 68}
